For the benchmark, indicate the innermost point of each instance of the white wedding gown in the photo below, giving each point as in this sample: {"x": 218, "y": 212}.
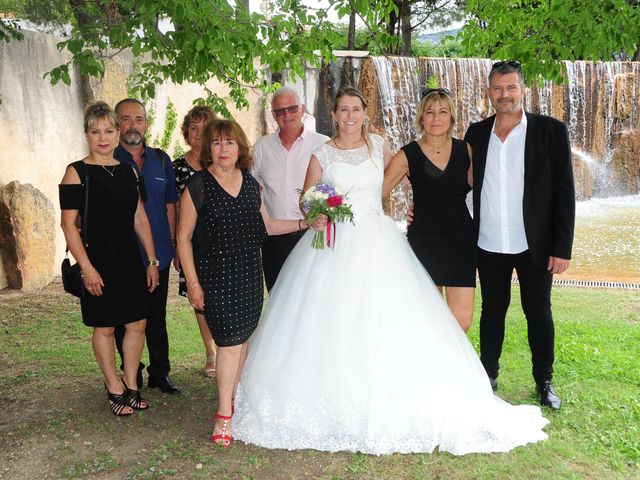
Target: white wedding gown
{"x": 357, "y": 350}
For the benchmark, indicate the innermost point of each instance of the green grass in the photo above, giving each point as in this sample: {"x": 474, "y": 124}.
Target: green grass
{"x": 55, "y": 419}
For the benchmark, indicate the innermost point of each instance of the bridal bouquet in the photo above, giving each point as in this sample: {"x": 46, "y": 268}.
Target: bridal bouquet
{"x": 323, "y": 198}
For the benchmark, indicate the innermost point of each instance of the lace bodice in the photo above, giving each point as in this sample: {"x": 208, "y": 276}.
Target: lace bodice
{"x": 356, "y": 173}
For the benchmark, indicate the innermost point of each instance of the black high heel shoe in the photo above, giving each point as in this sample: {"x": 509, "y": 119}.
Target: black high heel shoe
{"x": 118, "y": 402}
{"x": 134, "y": 399}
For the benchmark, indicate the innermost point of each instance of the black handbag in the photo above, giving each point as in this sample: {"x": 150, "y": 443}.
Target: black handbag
{"x": 72, "y": 280}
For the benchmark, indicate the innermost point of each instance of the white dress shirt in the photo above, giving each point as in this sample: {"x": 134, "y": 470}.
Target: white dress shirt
{"x": 501, "y": 218}
{"x": 281, "y": 172}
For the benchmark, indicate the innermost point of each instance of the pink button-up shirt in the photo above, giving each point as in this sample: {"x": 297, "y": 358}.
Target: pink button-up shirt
{"x": 281, "y": 172}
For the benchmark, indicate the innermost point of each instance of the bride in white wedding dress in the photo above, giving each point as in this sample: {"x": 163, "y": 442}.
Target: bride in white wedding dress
{"x": 356, "y": 349}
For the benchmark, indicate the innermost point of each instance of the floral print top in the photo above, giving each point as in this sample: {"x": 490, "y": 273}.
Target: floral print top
{"x": 182, "y": 171}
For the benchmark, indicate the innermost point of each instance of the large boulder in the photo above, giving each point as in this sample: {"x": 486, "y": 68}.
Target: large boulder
{"x": 27, "y": 236}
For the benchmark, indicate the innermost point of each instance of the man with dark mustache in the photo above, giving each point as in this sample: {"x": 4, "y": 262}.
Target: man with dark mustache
{"x": 155, "y": 169}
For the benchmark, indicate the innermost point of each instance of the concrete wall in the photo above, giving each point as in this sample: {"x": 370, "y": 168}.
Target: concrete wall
{"x": 41, "y": 125}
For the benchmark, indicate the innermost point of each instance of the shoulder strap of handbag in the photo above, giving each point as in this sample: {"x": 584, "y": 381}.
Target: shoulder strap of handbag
{"x": 163, "y": 161}
{"x": 79, "y": 166}
{"x": 85, "y": 216}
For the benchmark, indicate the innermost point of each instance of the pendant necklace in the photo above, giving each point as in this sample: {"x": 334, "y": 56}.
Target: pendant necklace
{"x": 110, "y": 172}
{"x": 434, "y": 149}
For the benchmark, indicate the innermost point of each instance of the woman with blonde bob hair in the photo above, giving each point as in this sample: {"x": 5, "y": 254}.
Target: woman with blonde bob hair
{"x": 428, "y": 101}
{"x": 220, "y": 232}
{"x": 184, "y": 167}
{"x": 441, "y": 233}
{"x": 114, "y": 277}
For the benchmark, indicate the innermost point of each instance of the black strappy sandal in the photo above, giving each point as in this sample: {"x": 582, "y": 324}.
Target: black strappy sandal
{"x": 118, "y": 402}
{"x": 134, "y": 399}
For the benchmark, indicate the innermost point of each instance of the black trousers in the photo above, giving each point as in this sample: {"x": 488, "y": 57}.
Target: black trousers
{"x": 495, "y": 270}
{"x": 156, "y": 331}
{"x": 275, "y": 251}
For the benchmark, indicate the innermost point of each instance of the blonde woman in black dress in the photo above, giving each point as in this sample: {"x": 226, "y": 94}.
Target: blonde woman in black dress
{"x": 114, "y": 277}
{"x": 441, "y": 233}
{"x": 183, "y": 167}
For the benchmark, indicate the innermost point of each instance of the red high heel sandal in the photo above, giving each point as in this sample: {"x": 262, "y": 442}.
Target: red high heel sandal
{"x": 222, "y": 439}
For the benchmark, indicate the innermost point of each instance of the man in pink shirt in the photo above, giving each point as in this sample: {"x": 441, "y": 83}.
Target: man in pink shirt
{"x": 280, "y": 165}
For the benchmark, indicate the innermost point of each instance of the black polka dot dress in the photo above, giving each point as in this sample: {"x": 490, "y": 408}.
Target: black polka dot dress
{"x": 227, "y": 239}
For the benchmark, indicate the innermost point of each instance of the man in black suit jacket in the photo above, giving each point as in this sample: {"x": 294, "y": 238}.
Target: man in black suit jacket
{"x": 524, "y": 212}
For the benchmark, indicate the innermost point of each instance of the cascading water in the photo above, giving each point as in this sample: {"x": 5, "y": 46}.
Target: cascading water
{"x": 599, "y": 104}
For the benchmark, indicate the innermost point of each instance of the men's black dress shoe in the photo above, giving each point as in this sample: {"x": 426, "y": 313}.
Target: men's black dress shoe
{"x": 165, "y": 385}
{"x": 548, "y": 396}
{"x": 494, "y": 383}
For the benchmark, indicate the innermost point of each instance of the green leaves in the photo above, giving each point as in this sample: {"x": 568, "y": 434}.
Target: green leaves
{"x": 542, "y": 34}
{"x": 60, "y": 73}
{"x": 197, "y": 40}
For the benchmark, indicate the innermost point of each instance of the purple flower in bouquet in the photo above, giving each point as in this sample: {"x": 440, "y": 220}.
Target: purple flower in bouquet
{"x": 324, "y": 198}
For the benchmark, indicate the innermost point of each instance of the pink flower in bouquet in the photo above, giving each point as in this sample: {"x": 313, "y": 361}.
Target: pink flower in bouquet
{"x": 334, "y": 201}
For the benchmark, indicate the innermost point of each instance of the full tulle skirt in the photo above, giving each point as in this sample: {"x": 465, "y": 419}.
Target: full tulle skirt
{"x": 357, "y": 351}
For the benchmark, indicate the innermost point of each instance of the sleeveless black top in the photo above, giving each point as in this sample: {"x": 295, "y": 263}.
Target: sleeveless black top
{"x": 442, "y": 234}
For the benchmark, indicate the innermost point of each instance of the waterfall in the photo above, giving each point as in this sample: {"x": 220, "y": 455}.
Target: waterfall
{"x": 400, "y": 93}
{"x": 599, "y": 103}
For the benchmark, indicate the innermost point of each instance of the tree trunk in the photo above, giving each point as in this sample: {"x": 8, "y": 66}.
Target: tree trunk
{"x": 351, "y": 38}
{"x": 391, "y": 29}
{"x": 347, "y": 78}
{"x": 85, "y": 21}
{"x": 405, "y": 26}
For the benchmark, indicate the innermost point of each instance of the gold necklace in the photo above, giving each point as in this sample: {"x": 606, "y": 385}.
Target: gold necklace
{"x": 110, "y": 172}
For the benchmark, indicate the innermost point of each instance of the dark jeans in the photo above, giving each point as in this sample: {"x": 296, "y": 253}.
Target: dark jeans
{"x": 156, "y": 331}
{"x": 495, "y": 270}
{"x": 275, "y": 251}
